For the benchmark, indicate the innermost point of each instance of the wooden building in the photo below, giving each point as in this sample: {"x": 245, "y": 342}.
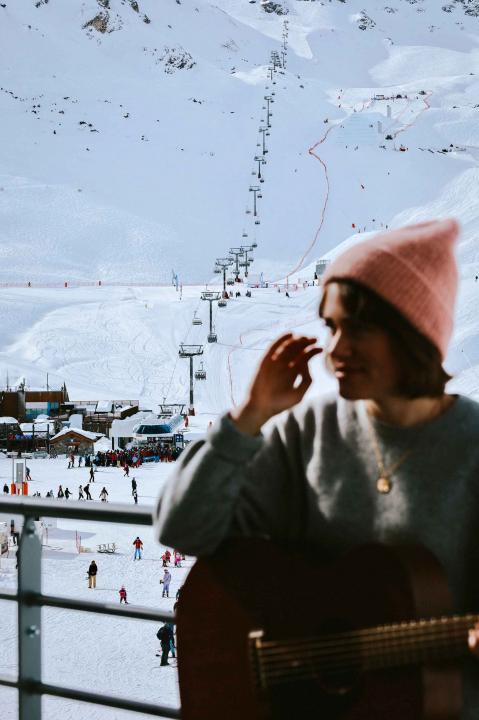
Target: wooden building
{"x": 25, "y": 404}
{"x": 74, "y": 440}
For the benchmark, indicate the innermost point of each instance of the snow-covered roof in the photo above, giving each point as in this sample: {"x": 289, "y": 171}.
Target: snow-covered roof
{"x": 6, "y": 420}
{"x": 104, "y": 406}
{"x": 78, "y": 431}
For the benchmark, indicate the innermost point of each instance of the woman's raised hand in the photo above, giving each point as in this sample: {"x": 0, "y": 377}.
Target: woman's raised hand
{"x": 280, "y": 382}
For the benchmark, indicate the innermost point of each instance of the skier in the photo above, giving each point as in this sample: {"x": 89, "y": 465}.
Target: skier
{"x": 80, "y": 460}
{"x": 165, "y": 559}
{"x": 92, "y": 474}
{"x": 92, "y": 571}
{"x": 5, "y": 489}
{"x": 60, "y": 493}
{"x": 133, "y": 484}
{"x": 126, "y": 470}
{"x": 80, "y": 493}
{"x": 135, "y": 497}
{"x": 67, "y": 493}
{"x": 122, "y": 593}
{"x": 28, "y": 477}
{"x": 138, "y": 548}
{"x": 87, "y": 492}
{"x": 165, "y": 636}
{"x": 104, "y": 494}
{"x": 177, "y": 557}
{"x": 165, "y": 581}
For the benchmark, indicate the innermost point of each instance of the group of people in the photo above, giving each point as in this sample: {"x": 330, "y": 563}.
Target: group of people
{"x": 165, "y": 634}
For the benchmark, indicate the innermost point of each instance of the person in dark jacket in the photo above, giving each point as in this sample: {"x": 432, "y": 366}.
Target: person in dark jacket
{"x": 166, "y": 638}
{"x": 92, "y": 571}
{"x": 67, "y": 493}
{"x": 5, "y": 489}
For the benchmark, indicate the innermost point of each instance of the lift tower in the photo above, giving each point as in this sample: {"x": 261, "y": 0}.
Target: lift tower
{"x": 237, "y": 253}
{"x": 211, "y": 297}
{"x": 189, "y": 351}
{"x": 247, "y": 261}
{"x": 222, "y": 264}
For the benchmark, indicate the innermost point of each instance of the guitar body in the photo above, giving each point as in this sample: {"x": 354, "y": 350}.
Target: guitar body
{"x": 254, "y": 585}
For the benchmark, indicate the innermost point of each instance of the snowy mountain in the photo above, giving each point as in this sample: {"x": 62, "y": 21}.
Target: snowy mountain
{"x": 129, "y": 131}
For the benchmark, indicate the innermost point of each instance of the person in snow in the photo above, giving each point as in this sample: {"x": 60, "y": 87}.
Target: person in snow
{"x": 92, "y": 474}
{"x": 92, "y": 571}
{"x": 67, "y": 493}
{"x": 28, "y": 477}
{"x": 87, "y": 492}
{"x": 165, "y": 581}
{"x": 394, "y": 453}
{"x": 60, "y": 493}
{"x": 80, "y": 493}
{"x": 138, "y": 548}
{"x": 135, "y": 497}
{"x": 80, "y": 460}
{"x": 6, "y": 489}
{"x": 104, "y": 494}
{"x": 177, "y": 558}
{"x": 122, "y": 593}
{"x": 166, "y": 638}
{"x": 133, "y": 484}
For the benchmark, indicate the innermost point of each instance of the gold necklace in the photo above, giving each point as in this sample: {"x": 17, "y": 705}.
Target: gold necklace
{"x": 384, "y": 482}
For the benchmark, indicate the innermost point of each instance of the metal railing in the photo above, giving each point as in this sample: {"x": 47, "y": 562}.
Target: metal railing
{"x": 30, "y": 600}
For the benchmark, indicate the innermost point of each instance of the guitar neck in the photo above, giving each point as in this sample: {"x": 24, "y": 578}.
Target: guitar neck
{"x": 384, "y": 646}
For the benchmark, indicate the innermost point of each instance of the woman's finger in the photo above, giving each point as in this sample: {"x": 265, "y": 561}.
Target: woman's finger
{"x": 277, "y": 343}
{"x": 305, "y": 356}
{"x": 294, "y": 347}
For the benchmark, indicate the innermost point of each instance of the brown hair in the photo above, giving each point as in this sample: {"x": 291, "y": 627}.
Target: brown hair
{"x": 421, "y": 371}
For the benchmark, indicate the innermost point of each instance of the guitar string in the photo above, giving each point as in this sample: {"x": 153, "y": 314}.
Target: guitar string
{"x": 383, "y": 633}
{"x": 405, "y": 645}
{"x": 277, "y": 670}
{"x": 306, "y": 670}
{"x": 395, "y": 643}
{"x": 386, "y": 630}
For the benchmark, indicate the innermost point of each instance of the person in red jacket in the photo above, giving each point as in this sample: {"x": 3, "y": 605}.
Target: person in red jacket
{"x": 122, "y": 593}
{"x": 138, "y": 548}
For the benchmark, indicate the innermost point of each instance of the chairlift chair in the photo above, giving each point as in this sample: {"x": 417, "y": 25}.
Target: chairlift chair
{"x": 230, "y": 281}
{"x": 245, "y": 234}
{"x": 197, "y": 320}
{"x": 257, "y": 222}
{"x": 254, "y": 244}
{"x": 200, "y": 374}
{"x": 212, "y": 336}
{"x": 222, "y": 303}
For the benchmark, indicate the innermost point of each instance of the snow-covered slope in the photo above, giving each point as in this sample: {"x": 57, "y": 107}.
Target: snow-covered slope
{"x": 128, "y": 153}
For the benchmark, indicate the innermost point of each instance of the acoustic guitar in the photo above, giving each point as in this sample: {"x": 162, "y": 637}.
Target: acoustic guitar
{"x": 268, "y": 634}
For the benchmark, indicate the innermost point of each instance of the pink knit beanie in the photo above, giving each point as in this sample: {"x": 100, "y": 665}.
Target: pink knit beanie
{"x": 414, "y": 269}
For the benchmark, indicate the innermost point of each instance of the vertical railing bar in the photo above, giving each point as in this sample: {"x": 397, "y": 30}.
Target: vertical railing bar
{"x": 29, "y": 622}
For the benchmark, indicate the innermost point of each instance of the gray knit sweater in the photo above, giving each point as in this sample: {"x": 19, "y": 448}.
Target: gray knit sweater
{"x": 312, "y": 477}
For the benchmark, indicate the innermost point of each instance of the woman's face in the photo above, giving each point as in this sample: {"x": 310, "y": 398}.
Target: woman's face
{"x": 361, "y": 356}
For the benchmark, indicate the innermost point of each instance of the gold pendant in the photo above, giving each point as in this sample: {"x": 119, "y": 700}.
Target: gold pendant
{"x": 383, "y": 485}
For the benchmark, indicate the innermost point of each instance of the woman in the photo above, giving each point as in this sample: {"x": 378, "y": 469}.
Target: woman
{"x": 393, "y": 459}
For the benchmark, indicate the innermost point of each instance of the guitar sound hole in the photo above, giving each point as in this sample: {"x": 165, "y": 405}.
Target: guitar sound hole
{"x": 322, "y": 691}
